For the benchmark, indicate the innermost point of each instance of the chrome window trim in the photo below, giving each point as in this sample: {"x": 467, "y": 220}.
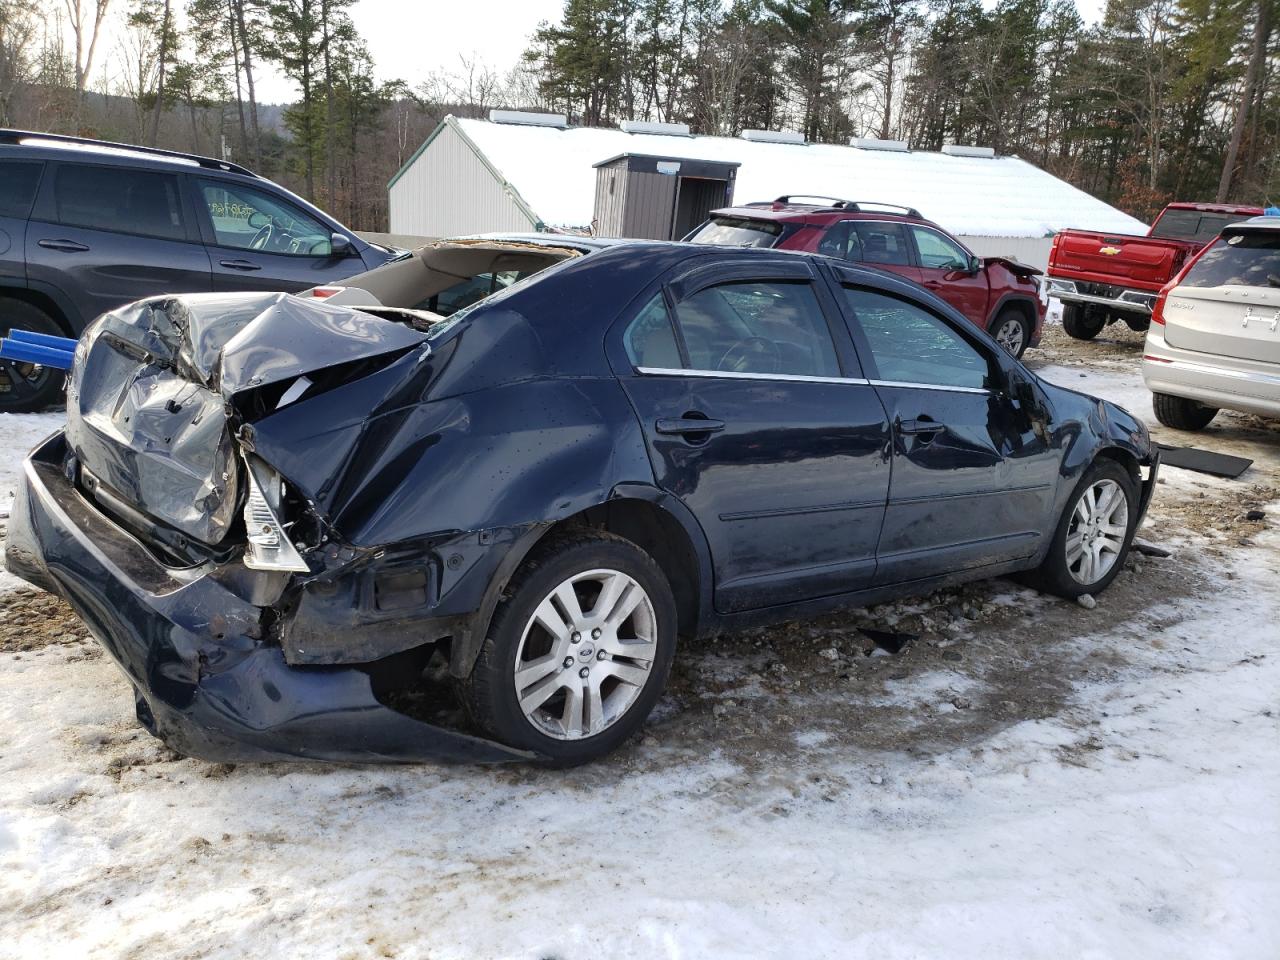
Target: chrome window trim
{"x": 930, "y": 386}
{"x": 735, "y": 375}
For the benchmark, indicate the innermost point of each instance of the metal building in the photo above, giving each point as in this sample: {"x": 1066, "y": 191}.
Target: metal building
{"x": 658, "y": 198}
{"x": 519, "y": 172}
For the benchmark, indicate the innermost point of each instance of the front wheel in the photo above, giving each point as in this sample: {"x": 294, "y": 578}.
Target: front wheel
{"x": 1011, "y": 330}
{"x": 1093, "y": 535}
{"x": 578, "y": 651}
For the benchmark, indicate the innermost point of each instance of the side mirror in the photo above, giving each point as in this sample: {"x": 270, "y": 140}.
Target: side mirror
{"x": 340, "y": 245}
{"x": 258, "y": 219}
{"x": 975, "y": 265}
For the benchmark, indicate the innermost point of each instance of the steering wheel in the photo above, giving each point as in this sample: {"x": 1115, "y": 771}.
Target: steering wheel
{"x": 262, "y": 237}
{"x": 739, "y": 357}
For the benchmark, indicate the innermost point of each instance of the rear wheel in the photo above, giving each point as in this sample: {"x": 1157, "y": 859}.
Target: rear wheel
{"x": 578, "y": 651}
{"x": 1011, "y": 330}
{"x": 1093, "y": 534}
{"x": 1181, "y": 413}
{"x": 1081, "y": 322}
{"x": 26, "y": 387}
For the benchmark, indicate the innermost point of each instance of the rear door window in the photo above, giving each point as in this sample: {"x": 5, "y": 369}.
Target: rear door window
{"x": 650, "y": 340}
{"x": 119, "y": 200}
{"x": 18, "y": 182}
{"x": 758, "y": 326}
{"x": 738, "y": 232}
{"x": 910, "y": 346}
{"x": 1243, "y": 259}
{"x": 878, "y": 242}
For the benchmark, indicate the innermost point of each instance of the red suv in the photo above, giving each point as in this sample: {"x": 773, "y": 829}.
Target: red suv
{"x": 999, "y": 295}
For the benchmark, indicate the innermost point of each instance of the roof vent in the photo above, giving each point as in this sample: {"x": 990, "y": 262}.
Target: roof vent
{"x": 772, "y": 136}
{"x": 529, "y": 119}
{"x": 660, "y": 129}
{"x": 875, "y": 143}
{"x": 956, "y": 150}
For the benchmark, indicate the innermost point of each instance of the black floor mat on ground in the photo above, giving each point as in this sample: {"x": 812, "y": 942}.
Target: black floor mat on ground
{"x": 1203, "y": 461}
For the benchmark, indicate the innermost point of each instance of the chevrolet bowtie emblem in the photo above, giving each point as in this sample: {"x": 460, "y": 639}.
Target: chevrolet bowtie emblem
{"x": 1109, "y": 251}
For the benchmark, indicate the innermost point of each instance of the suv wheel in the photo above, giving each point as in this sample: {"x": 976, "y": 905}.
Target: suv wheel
{"x": 578, "y": 651}
{"x": 1181, "y": 413}
{"x": 1011, "y": 330}
{"x": 1080, "y": 322}
{"x": 1094, "y": 533}
{"x": 27, "y": 387}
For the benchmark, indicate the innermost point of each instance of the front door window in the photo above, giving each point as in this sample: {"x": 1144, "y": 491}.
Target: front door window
{"x": 248, "y": 219}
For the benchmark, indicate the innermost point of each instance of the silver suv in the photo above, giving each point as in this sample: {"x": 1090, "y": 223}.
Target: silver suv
{"x": 1214, "y": 340}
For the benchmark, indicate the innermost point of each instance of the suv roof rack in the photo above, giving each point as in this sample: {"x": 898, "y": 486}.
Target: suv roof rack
{"x": 209, "y": 163}
{"x": 839, "y": 204}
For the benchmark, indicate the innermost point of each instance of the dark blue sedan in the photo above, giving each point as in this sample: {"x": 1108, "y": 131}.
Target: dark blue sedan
{"x": 529, "y": 466}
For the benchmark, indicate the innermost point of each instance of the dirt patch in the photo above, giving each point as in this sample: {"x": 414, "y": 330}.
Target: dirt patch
{"x": 31, "y": 620}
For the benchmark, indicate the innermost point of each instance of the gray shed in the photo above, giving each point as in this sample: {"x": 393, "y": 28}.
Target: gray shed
{"x": 658, "y": 198}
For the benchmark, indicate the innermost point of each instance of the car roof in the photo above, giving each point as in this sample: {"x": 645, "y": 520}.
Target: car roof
{"x": 58, "y": 146}
{"x": 1271, "y": 223}
{"x": 1214, "y": 207}
{"x": 785, "y": 210}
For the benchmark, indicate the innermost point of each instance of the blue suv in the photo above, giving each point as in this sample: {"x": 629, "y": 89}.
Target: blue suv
{"x": 86, "y": 226}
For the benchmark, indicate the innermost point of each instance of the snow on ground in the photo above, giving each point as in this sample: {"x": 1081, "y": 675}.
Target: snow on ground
{"x": 1028, "y": 780}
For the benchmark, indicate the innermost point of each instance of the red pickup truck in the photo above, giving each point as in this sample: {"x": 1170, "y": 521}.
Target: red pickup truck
{"x": 1101, "y": 278}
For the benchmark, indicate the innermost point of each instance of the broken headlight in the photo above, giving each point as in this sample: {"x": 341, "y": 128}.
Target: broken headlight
{"x": 268, "y": 546}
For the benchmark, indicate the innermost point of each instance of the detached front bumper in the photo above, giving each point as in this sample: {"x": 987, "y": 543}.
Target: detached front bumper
{"x": 205, "y": 679}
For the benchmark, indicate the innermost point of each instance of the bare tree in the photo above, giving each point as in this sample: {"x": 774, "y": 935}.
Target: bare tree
{"x": 1252, "y": 79}
{"x": 86, "y": 17}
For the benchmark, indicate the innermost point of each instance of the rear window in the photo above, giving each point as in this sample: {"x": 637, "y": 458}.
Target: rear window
{"x": 120, "y": 200}
{"x": 1193, "y": 224}
{"x": 18, "y": 182}
{"x": 738, "y": 232}
{"x": 1244, "y": 259}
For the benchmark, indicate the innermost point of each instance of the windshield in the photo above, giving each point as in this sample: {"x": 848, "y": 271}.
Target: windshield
{"x": 737, "y": 232}
{"x": 1244, "y": 259}
{"x": 1194, "y": 225}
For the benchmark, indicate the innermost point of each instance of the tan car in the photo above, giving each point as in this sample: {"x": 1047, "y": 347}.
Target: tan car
{"x": 1214, "y": 340}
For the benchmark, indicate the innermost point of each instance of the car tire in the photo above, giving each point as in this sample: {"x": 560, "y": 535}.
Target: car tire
{"x": 1011, "y": 330}
{"x": 27, "y": 387}
{"x": 1079, "y": 322}
{"x": 1086, "y": 552}
{"x": 1181, "y": 413}
{"x": 585, "y": 688}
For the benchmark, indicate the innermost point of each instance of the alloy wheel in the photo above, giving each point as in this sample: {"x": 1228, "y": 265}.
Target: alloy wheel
{"x": 1011, "y": 335}
{"x": 1099, "y": 525}
{"x": 20, "y": 382}
{"x": 585, "y": 654}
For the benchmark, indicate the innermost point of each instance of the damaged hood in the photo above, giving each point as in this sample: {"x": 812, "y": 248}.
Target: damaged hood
{"x": 150, "y": 408}
{"x": 1014, "y": 266}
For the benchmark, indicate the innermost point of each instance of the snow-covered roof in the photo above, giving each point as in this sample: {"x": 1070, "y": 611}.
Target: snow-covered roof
{"x": 551, "y": 170}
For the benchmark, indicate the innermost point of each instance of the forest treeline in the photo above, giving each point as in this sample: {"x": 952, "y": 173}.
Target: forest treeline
{"x": 1159, "y": 100}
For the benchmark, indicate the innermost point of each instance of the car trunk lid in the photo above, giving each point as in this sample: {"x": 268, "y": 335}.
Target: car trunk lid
{"x": 1227, "y": 321}
{"x": 152, "y": 404}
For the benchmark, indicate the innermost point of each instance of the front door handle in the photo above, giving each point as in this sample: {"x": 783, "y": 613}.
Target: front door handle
{"x": 240, "y": 265}
{"x": 687, "y": 425}
{"x": 66, "y": 246}
{"x": 923, "y": 426}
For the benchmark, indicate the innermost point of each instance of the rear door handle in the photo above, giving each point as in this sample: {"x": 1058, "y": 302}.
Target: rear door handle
{"x": 66, "y": 246}
{"x": 240, "y": 264}
{"x": 917, "y": 427}
{"x": 683, "y": 425}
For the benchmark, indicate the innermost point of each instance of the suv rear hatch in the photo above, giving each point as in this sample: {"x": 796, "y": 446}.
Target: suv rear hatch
{"x": 159, "y": 389}
{"x": 1228, "y": 304}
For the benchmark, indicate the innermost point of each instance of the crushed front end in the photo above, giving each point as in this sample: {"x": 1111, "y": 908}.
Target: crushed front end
{"x": 249, "y": 628}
